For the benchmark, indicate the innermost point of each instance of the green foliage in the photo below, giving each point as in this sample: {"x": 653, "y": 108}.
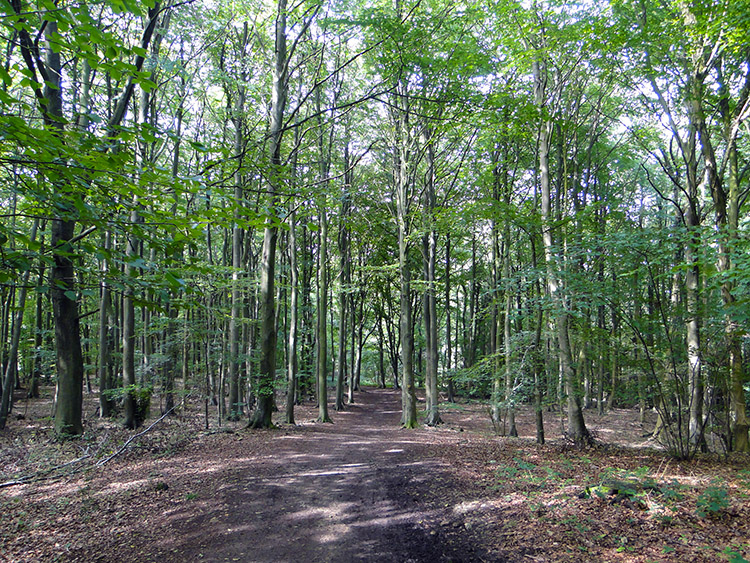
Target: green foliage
{"x": 141, "y": 396}
{"x": 734, "y": 556}
{"x": 637, "y": 485}
{"x": 712, "y": 501}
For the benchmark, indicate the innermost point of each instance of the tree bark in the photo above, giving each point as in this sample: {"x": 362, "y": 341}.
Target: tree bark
{"x": 235, "y": 405}
{"x": 430, "y": 306}
{"x": 577, "y": 431}
{"x": 267, "y": 370}
{"x": 322, "y": 331}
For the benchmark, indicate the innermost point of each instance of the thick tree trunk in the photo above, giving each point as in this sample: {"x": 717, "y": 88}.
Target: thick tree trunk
{"x": 69, "y": 392}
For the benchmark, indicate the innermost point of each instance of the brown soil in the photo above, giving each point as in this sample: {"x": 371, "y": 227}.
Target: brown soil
{"x": 362, "y": 489}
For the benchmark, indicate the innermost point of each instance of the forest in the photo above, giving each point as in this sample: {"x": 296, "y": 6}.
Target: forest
{"x": 537, "y": 206}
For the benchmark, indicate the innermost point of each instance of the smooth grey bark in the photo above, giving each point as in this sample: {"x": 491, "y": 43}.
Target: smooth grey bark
{"x": 577, "y": 430}
{"x": 448, "y": 335}
{"x": 508, "y": 349}
{"x": 406, "y": 323}
{"x": 291, "y": 387}
{"x": 322, "y": 328}
{"x": 429, "y": 299}
{"x": 267, "y": 370}
{"x": 235, "y": 405}
{"x": 536, "y": 349}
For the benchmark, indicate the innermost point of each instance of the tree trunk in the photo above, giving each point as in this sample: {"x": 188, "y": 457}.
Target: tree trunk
{"x": 344, "y": 315}
{"x": 577, "y": 431}
{"x": 406, "y": 324}
{"x": 430, "y": 306}
{"x": 291, "y": 388}
{"x": 11, "y": 368}
{"x": 448, "y": 335}
{"x": 105, "y": 402}
{"x": 322, "y": 331}
{"x": 267, "y": 372}
{"x": 235, "y": 405}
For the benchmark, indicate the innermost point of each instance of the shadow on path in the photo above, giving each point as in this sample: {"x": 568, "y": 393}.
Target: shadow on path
{"x": 349, "y": 491}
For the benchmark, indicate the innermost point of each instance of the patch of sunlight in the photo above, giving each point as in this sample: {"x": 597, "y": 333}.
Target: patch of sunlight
{"x": 388, "y": 520}
{"x": 466, "y": 507}
{"x": 334, "y": 533}
{"x": 335, "y": 508}
{"x": 120, "y": 486}
{"x": 345, "y": 471}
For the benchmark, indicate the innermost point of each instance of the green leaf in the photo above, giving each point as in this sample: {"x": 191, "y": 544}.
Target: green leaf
{"x": 72, "y": 295}
{"x": 5, "y": 76}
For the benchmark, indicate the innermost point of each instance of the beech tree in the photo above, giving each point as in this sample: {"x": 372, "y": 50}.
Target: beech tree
{"x": 474, "y": 199}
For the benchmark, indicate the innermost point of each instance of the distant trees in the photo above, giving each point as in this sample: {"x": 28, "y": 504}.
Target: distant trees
{"x": 474, "y": 201}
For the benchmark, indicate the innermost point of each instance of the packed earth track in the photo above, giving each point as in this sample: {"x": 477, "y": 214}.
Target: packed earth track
{"x": 360, "y": 489}
{"x": 347, "y": 491}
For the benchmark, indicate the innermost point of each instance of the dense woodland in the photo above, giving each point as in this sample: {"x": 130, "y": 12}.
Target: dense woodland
{"x": 538, "y": 202}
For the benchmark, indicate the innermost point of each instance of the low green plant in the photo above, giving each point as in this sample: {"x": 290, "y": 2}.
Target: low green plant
{"x": 712, "y": 501}
{"x": 734, "y": 556}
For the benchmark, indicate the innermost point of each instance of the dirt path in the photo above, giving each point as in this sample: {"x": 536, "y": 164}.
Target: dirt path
{"x": 349, "y": 491}
{"x": 360, "y": 490}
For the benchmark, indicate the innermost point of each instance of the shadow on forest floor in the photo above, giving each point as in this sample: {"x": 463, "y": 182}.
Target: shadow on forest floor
{"x": 362, "y": 489}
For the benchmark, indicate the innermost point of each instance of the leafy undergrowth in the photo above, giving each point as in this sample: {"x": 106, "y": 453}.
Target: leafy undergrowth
{"x": 555, "y": 503}
{"x": 619, "y": 501}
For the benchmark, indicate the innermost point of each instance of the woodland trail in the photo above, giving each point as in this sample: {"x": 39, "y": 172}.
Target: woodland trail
{"x": 349, "y": 491}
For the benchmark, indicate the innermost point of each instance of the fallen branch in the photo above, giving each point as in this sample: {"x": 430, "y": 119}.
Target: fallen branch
{"x": 45, "y": 474}
{"x": 130, "y": 440}
{"x": 41, "y": 475}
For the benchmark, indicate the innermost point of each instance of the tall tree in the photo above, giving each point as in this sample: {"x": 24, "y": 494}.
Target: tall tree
{"x": 265, "y": 387}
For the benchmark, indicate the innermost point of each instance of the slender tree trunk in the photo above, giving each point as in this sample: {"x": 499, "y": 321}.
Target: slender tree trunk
{"x": 322, "y": 331}
{"x": 448, "y": 335}
{"x": 537, "y": 360}
{"x": 406, "y": 324}
{"x": 267, "y": 372}
{"x": 430, "y": 305}
{"x": 105, "y": 402}
{"x": 12, "y": 364}
{"x": 235, "y": 405}
{"x": 344, "y": 314}
{"x": 36, "y": 372}
{"x": 509, "y": 377}
{"x": 291, "y": 388}
{"x": 576, "y": 427}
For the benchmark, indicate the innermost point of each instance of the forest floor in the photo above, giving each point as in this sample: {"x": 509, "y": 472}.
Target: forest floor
{"x": 361, "y": 489}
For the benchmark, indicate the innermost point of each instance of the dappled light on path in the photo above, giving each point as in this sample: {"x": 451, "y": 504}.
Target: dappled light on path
{"x": 320, "y": 492}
